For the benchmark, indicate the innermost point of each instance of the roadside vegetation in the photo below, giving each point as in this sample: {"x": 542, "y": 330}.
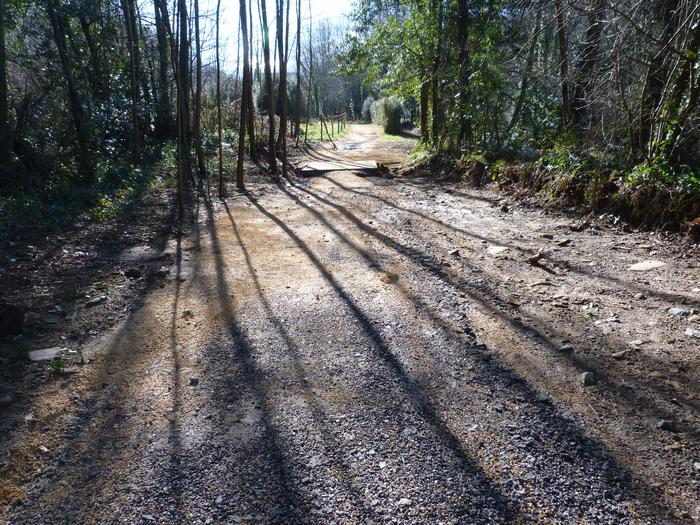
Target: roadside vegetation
{"x": 593, "y": 105}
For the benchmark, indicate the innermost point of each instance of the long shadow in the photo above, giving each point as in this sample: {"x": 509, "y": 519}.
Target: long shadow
{"x": 493, "y": 303}
{"x": 687, "y": 398}
{"x": 14, "y": 374}
{"x": 333, "y": 447}
{"x": 89, "y": 408}
{"x": 672, "y": 298}
{"x": 486, "y": 297}
{"x": 508, "y": 507}
{"x": 289, "y": 497}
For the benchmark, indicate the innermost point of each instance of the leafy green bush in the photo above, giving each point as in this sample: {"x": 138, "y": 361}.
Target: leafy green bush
{"x": 387, "y": 112}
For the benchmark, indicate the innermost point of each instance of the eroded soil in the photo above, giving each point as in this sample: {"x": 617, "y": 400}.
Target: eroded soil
{"x": 358, "y": 349}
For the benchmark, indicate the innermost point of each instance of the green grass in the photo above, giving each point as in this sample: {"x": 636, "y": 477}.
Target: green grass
{"x": 397, "y": 138}
{"x": 314, "y": 133}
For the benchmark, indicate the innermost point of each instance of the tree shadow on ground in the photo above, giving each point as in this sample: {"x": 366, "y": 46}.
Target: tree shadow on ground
{"x": 564, "y": 430}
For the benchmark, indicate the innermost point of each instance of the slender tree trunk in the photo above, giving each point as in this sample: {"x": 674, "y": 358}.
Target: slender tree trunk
{"x": 587, "y": 63}
{"x": 465, "y": 123}
{"x": 164, "y": 110}
{"x": 127, "y": 10}
{"x": 244, "y": 97}
{"x": 283, "y": 47}
{"x": 236, "y": 83}
{"x": 197, "y": 118}
{"x": 563, "y": 64}
{"x": 297, "y": 99}
{"x": 269, "y": 86}
{"x": 686, "y": 87}
{"x": 80, "y": 125}
{"x": 526, "y": 75}
{"x": 183, "y": 117}
{"x": 424, "y": 109}
{"x": 222, "y": 188}
{"x": 655, "y": 78}
{"x": 142, "y": 74}
{"x": 5, "y": 141}
{"x": 250, "y": 103}
{"x": 437, "y": 108}
{"x": 311, "y": 75}
{"x": 97, "y": 78}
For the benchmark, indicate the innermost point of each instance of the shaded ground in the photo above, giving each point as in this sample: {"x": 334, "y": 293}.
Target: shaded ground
{"x": 350, "y": 349}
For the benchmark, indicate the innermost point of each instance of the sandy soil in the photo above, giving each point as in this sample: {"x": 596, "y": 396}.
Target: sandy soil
{"x": 358, "y": 349}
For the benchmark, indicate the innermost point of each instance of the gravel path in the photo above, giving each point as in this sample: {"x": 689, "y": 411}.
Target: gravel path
{"x": 322, "y": 354}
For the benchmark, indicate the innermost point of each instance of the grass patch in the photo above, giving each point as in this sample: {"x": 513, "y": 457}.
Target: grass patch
{"x": 314, "y": 132}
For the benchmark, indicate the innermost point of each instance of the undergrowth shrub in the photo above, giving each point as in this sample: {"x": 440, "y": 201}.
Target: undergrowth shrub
{"x": 387, "y": 113}
{"x": 367, "y": 109}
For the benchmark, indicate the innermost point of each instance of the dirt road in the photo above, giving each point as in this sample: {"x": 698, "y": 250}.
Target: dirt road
{"x": 349, "y": 349}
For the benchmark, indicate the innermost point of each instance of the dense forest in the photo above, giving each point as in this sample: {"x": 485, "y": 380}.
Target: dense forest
{"x": 597, "y": 100}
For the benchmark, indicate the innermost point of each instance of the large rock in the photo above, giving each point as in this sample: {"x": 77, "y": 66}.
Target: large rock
{"x": 11, "y": 319}
{"x": 46, "y": 354}
{"x": 646, "y": 266}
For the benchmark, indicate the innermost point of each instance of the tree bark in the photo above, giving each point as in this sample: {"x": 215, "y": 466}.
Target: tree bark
{"x": 424, "y": 109}
{"x": 183, "y": 117}
{"x": 587, "y": 64}
{"x": 197, "y": 117}
{"x": 465, "y": 123}
{"x": 437, "y": 108}
{"x": 269, "y": 86}
{"x": 563, "y": 65}
{"x": 244, "y": 97}
{"x": 282, "y": 48}
{"x": 5, "y": 141}
{"x": 250, "y": 103}
{"x": 222, "y": 188}
{"x": 297, "y": 99}
{"x": 80, "y": 125}
{"x": 164, "y": 110}
{"x": 128, "y": 12}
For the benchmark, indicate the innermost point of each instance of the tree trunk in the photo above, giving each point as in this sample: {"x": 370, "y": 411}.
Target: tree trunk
{"x": 244, "y": 97}
{"x": 197, "y": 118}
{"x": 183, "y": 117}
{"x": 222, "y": 188}
{"x": 587, "y": 63}
{"x": 437, "y": 108}
{"x": 655, "y": 78}
{"x": 250, "y": 103}
{"x": 127, "y": 10}
{"x": 465, "y": 123}
{"x": 282, "y": 48}
{"x": 164, "y": 110}
{"x": 526, "y": 75}
{"x": 297, "y": 98}
{"x": 5, "y": 141}
{"x": 97, "y": 78}
{"x": 424, "y": 108}
{"x": 563, "y": 65}
{"x": 80, "y": 125}
{"x": 269, "y": 86}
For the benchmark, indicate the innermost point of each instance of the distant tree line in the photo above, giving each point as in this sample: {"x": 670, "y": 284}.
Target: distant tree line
{"x": 90, "y": 83}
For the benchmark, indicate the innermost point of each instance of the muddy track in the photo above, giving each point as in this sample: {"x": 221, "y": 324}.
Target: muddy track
{"x": 348, "y": 349}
